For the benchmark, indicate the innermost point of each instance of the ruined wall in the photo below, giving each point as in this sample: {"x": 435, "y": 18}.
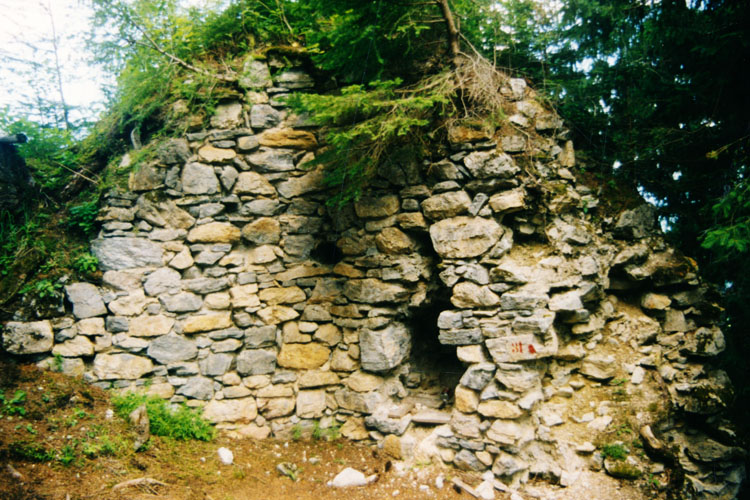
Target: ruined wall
{"x": 229, "y": 285}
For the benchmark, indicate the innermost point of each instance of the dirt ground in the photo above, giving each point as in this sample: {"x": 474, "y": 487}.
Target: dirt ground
{"x": 57, "y": 443}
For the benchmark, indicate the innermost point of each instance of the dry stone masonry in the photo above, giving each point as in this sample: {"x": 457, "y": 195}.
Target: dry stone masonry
{"x": 229, "y": 285}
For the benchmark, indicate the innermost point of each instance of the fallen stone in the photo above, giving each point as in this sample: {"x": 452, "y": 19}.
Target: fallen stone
{"x": 347, "y": 478}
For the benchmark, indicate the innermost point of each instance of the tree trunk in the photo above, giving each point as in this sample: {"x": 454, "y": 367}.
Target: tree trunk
{"x": 450, "y": 27}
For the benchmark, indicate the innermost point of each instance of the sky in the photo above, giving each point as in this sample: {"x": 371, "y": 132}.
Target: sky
{"x": 26, "y": 25}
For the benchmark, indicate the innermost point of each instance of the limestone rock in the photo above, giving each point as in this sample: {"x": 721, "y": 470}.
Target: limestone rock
{"x": 227, "y": 116}
{"x": 263, "y": 231}
{"x": 464, "y": 237}
{"x": 349, "y": 477}
{"x": 311, "y": 404}
{"x": 309, "y": 379}
{"x": 273, "y": 315}
{"x": 173, "y": 151}
{"x": 211, "y": 154}
{"x": 363, "y": 382}
{"x": 214, "y": 232}
{"x": 162, "y": 280}
{"x": 256, "y": 362}
{"x": 172, "y": 348}
{"x": 566, "y": 302}
{"x": 466, "y": 400}
{"x": 162, "y": 213}
{"x": 150, "y": 326}
{"x": 253, "y": 183}
{"x": 499, "y": 409}
{"x": 445, "y": 205}
{"x": 132, "y": 304}
{"x": 198, "y": 178}
{"x": 478, "y": 376}
{"x": 28, "y": 338}
{"x": 280, "y": 295}
{"x": 207, "y": 322}
{"x": 75, "y": 347}
{"x": 288, "y": 138}
{"x": 86, "y": 300}
{"x": 374, "y": 291}
{"x": 244, "y": 296}
{"x": 303, "y": 356}
{"x": 469, "y": 295}
{"x": 294, "y": 79}
{"x": 508, "y": 201}
{"x": 598, "y": 367}
{"x": 272, "y": 160}
{"x": 255, "y": 74}
{"x": 125, "y": 253}
{"x": 147, "y": 177}
{"x": 180, "y": 303}
{"x": 393, "y": 241}
{"x": 215, "y": 364}
{"x": 485, "y": 165}
{"x": 264, "y": 116}
{"x": 328, "y": 334}
{"x": 374, "y": 208}
{"x": 121, "y": 366}
{"x": 655, "y": 301}
{"x": 298, "y": 186}
{"x": 233, "y": 410}
{"x": 197, "y": 388}
{"x": 383, "y": 350}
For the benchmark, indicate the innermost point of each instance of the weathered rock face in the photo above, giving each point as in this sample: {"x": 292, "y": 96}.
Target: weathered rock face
{"x": 230, "y": 284}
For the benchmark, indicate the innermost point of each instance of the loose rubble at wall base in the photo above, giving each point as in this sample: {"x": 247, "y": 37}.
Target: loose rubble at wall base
{"x": 229, "y": 284}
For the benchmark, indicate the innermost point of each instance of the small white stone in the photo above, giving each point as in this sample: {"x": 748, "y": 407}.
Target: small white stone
{"x": 226, "y": 456}
{"x": 349, "y": 477}
{"x": 638, "y": 375}
{"x": 439, "y": 482}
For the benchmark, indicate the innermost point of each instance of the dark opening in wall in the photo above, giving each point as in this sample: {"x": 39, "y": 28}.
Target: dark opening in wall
{"x": 327, "y": 253}
{"x": 437, "y": 365}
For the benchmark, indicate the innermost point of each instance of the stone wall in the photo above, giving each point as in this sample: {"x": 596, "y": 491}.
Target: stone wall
{"x": 229, "y": 285}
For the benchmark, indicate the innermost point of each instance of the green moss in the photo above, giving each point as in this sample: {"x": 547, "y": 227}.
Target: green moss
{"x": 624, "y": 470}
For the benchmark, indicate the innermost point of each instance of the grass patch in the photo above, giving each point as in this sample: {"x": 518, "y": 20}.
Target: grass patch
{"x": 614, "y": 451}
{"x": 177, "y": 422}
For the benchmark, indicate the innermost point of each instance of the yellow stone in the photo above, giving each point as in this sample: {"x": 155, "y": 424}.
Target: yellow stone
{"x": 466, "y": 400}
{"x": 150, "y": 326}
{"x": 288, "y": 138}
{"x": 278, "y": 295}
{"x": 273, "y": 315}
{"x": 214, "y": 232}
{"x": 303, "y": 356}
{"x": 207, "y": 322}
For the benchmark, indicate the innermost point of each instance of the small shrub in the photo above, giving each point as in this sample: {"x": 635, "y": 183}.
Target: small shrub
{"x": 83, "y": 217}
{"x": 177, "y": 422}
{"x": 29, "y": 450}
{"x": 86, "y": 263}
{"x": 14, "y": 405}
{"x": 44, "y": 289}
